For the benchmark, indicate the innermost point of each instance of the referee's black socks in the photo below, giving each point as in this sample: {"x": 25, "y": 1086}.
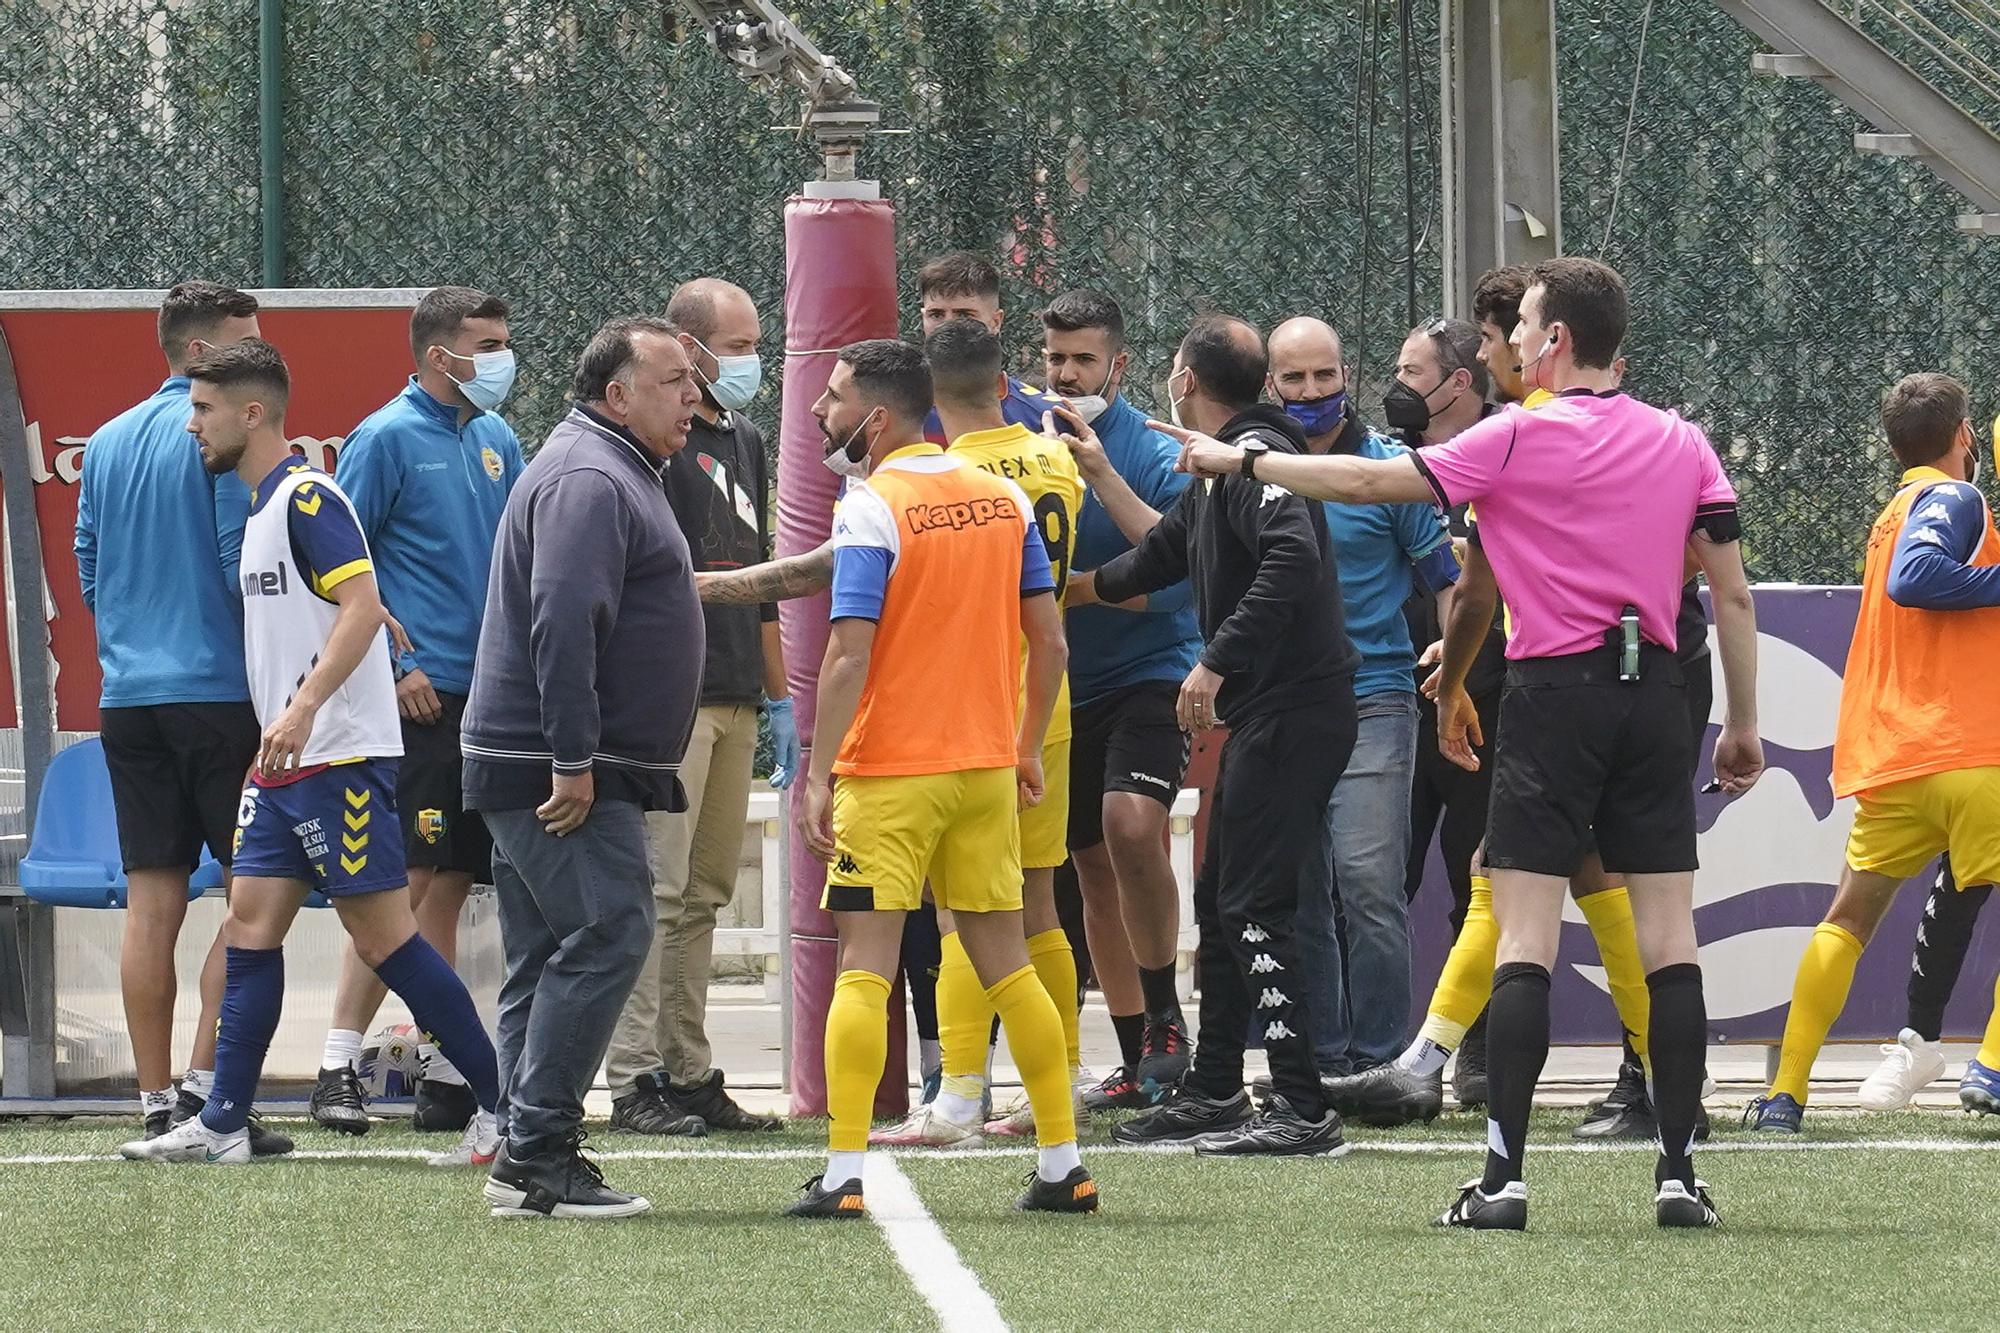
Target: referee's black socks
{"x": 1679, "y": 1040}
{"x": 1517, "y": 1046}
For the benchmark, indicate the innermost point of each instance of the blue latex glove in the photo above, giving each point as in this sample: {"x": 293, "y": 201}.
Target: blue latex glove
{"x": 784, "y": 742}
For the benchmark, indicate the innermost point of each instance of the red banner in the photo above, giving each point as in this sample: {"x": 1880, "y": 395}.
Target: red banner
{"x": 349, "y": 353}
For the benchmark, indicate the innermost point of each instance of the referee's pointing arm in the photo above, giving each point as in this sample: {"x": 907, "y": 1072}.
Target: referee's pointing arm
{"x": 1344, "y": 479}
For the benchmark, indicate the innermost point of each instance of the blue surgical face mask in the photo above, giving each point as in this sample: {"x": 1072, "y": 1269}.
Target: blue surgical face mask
{"x": 1319, "y": 416}
{"x": 737, "y": 378}
{"x": 492, "y": 377}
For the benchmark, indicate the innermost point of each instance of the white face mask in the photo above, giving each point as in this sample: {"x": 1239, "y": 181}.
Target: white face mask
{"x": 841, "y": 461}
{"x": 1091, "y": 406}
{"x": 1173, "y": 403}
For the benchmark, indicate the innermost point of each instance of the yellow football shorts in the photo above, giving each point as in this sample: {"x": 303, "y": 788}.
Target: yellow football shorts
{"x": 1045, "y": 827}
{"x": 961, "y": 831}
{"x": 1899, "y": 828}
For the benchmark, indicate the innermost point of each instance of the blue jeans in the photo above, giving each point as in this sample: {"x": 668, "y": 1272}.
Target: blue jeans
{"x": 576, "y": 918}
{"x": 1353, "y": 921}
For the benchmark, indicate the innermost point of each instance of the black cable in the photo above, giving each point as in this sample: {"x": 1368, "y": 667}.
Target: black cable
{"x": 1409, "y": 179}
{"x": 1366, "y": 87}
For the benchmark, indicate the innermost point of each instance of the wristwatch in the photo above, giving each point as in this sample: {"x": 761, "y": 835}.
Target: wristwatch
{"x": 1253, "y": 450}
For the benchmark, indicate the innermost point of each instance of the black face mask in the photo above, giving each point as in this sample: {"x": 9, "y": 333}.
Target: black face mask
{"x": 1404, "y": 408}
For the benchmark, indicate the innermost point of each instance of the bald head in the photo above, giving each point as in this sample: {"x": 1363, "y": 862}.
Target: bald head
{"x": 1306, "y": 364}
{"x": 702, "y": 306}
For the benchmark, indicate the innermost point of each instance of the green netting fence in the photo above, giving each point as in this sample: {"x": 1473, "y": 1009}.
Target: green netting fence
{"x": 1267, "y": 157}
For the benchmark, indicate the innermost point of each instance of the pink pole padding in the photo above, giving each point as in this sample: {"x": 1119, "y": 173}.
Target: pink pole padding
{"x": 840, "y": 287}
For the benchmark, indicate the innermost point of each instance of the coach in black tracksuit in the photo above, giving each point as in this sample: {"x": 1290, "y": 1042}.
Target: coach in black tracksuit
{"x": 1277, "y": 667}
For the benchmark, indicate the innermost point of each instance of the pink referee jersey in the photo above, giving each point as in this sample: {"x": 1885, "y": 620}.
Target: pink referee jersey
{"x": 1585, "y": 507}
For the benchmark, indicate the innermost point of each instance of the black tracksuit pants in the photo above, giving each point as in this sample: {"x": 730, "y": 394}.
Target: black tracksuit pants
{"x": 1943, "y": 935}
{"x": 1277, "y": 773}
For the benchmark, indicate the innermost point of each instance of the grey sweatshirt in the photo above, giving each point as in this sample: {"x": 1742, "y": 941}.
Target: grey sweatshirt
{"x": 590, "y": 656}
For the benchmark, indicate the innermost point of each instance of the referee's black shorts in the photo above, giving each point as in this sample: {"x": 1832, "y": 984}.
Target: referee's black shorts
{"x": 439, "y": 833}
{"x": 177, "y": 777}
{"x": 1583, "y": 759}
{"x": 1127, "y": 740}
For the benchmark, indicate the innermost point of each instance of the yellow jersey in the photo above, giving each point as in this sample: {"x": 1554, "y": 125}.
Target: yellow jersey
{"x": 1044, "y": 469}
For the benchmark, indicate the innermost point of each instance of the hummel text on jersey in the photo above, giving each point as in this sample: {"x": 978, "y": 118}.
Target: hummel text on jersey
{"x": 266, "y": 582}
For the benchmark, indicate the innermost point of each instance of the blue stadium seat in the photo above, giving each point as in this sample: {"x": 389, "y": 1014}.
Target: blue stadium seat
{"x": 73, "y": 860}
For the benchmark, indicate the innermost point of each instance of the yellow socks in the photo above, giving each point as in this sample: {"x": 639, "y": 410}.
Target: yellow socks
{"x": 1466, "y": 983}
{"x": 1989, "y": 1048}
{"x": 857, "y": 1045}
{"x": 1609, "y": 912}
{"x": 1055, "y": 963}
{"x": 1818, "y": 994}
{"x": 1035, "y": 1037}
{"x": 965, "y": 1021}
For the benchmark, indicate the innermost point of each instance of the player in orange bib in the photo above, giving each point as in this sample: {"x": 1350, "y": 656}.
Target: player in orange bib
{"x": 1918, "y": 742}
{"x": 938, "y": 573}
{"x": 971, "y": 388}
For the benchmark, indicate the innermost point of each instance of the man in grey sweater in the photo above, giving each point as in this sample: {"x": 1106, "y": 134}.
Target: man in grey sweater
{"x": 583, "y": 696}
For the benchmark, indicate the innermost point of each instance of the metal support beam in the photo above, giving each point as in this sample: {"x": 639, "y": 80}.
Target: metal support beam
{"x": 27, "y": 998}
{"x": 1879, "y": 88}
{"x": 1890, "y": 145}
{"x": 27, "y": 929}
{"x": 1502, "y": 160}
{"x": 271, "y": 136}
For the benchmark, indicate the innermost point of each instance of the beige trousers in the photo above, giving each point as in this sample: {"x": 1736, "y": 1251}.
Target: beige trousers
{"x": 695, "y": 857}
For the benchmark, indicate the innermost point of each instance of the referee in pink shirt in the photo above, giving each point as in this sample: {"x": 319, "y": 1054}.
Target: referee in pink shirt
{"x": 1586, "y": 508}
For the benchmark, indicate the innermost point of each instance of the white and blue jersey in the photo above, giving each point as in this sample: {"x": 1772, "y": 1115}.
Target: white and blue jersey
{"x": 318, "y": 825}
{"x": 302, "y": 542}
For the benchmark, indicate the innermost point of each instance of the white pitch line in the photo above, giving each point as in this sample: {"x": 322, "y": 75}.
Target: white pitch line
{"x": 925, "y": 1255}
{"x": 1420, "y": 1147}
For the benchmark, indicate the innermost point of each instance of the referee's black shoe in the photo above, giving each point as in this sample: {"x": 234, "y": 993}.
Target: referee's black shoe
{"x": 1278, "y": 1131}
{"x": 1387, "y": 1096}
{"x": 1678, "y": 1206}
{"x": 1074, "y": 1193}
{"x": 336, "y": 1101}
{"x": 1475, "y": 1210}
{"x": 1185, "y": 1114}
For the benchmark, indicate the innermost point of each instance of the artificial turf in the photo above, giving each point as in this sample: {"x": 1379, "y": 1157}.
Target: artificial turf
{"x": 1855, "y": 1236}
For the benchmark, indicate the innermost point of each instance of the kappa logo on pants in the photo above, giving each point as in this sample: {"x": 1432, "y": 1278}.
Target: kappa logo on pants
{"x": 1278, "y": 1032}
{"x": 1263, "y": 963}
{"x": 844, "y": 865}
{"x": 1254, "y": 934}
{"x": 1272, "y": 998}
